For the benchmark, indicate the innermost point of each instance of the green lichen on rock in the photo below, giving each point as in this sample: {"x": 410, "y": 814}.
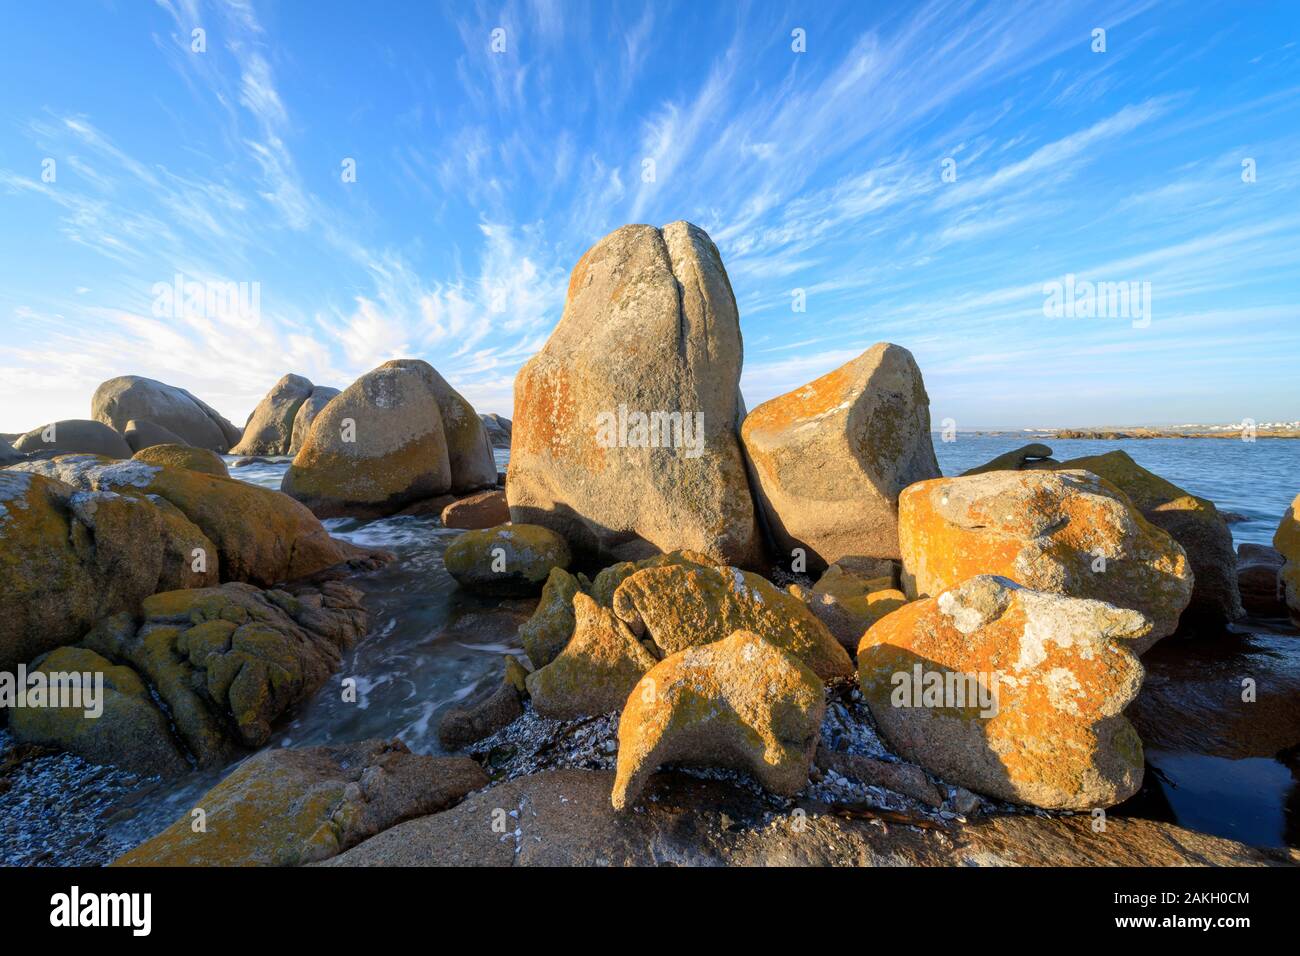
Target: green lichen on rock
{"x": 228, "y": 661}
{"x": 507, "y": 560}
{"x": 293, "y": 807}
{"x": 549, "y": 629}
{"x": 184, "y": 456}
{"x": 596, "y": 670}
{"x": 129, "y": 731}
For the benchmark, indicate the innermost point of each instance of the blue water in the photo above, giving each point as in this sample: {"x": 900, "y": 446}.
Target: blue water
{"x": 1256, "y": 479}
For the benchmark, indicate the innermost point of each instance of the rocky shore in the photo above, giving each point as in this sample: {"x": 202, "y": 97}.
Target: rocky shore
{"x": 778, "y": 636}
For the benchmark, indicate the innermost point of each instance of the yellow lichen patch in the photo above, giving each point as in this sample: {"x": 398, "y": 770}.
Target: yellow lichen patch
{"x": 184, "y": 456}
{"x": 681, "y": 606}
{"x": 740, "y": 702}
{"x": 596, "y": 669}
{"x": 1287, "y": 540}
{"x": 804, "y": 404}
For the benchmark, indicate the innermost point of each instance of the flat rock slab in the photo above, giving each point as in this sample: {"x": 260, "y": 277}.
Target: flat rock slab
{"x": 564, "y": 818}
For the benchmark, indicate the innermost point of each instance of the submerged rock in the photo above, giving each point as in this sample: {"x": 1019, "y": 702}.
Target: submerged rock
{"x": 184, "y": 456}
{"x": 128, "y": 398}
{"x": 741, "y": 702}
{"x": 649, "y": 329}
{"x": 1259, "y": 579}
{"x": 510, "y": 560}
{"x": 1027, "y": 457}
{"x": 1015, "y": 693}
{"x": 1066, "y": 532}
{"x": 831, "y": 457}
{"x": 291, "y": 807}
{"x": 462, "y": 726}
{"x": 682, "y": 606}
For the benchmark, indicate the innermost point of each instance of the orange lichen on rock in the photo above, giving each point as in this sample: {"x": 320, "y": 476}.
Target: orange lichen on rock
{"x": 1065, "y": 532}
{"x": 1015, "y": 693}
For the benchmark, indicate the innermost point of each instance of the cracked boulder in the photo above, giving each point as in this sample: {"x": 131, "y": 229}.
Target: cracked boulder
{"x": 624, "y": 436}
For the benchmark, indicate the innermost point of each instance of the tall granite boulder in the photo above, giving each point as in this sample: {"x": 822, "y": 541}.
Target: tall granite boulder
{"x": 311, "y": 407}
{"x": 374, "y": 449}
{"x": 831, "y": 457}
{"x": 627, "y": 418}
{"x": 73, "y": 437}
{"x": 1067, "y": 532}
{"x": 130, "y": 397}
{"x": 469, "y": 450}
{"x": 270, "y": 428}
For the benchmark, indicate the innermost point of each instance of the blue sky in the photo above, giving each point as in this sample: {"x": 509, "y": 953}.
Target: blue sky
{"x": 482, "y": 176}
